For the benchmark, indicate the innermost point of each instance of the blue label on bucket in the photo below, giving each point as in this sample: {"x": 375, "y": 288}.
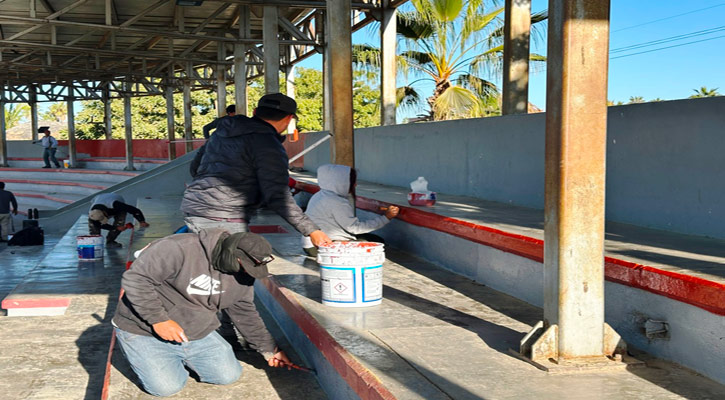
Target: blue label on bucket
{"x": 87, "y": 251}
{"x": 372, "y": 283}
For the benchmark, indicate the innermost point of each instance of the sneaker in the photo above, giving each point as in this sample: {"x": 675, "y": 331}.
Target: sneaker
{"x": 113, "y": 245}
{"x": 47, "y": 166}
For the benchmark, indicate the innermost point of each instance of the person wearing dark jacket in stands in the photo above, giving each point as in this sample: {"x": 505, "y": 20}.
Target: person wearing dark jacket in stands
{"x": 6, "y": 199}
{"x": 167, "y": 317}
{"x": 231, "y": 111}
{"x": 242, "y": 166}
{"x": 111, "y": 205}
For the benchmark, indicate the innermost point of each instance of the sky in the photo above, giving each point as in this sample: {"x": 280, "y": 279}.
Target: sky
{"x": 667, "y": 74}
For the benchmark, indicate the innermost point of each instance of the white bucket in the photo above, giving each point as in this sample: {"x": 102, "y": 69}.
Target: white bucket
{"x": 351, "y": 274}
{"x": 90, "y": 247}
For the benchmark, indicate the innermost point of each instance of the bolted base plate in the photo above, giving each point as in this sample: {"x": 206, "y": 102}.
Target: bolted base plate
{"x": 582, "y": 365}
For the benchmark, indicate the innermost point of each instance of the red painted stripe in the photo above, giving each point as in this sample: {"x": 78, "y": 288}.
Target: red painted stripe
{"x": 117, "y": 160}
{"x": 360, "y": 379}
{"x": 43, "y": 196}
{"x": 58, "y": 183}
{"x": 72, "y": 171}
{"x": 695, "y": 291}
{"x": 35, "y": 303}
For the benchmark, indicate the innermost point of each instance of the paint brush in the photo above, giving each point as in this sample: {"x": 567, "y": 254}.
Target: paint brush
{"x": 383, "y": 208}
{"x": 295, "y": 366}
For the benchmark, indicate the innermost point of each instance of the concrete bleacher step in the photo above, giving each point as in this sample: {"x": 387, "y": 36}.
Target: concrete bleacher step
{"x": 73, "y": 175}
{"x": 103, "y": 163}
{"x": 53, "y": 186}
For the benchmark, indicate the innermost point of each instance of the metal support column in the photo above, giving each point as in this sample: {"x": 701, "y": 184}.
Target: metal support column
{"x": 326, "y": 116}
{"x": 170, "y": 128}
{"x": 129, "y": 128}
{"x": 517, "y": 26}
{"x": 221, "y": 81}
{"x": 289, "y": 77}
{"x": 107, "y": 113}
{"x": 340, "y": 51}
{"x": 34, "y": 112}
{"x": 271, "y": 49}
{"x": 188, "y": 134}
{"x": 573, "y": 331}
{"x": 3, "y": 131}
{"x": 72, "y": 153}
{"x": 388, "y": 71}
{"x": 240, "y": 62}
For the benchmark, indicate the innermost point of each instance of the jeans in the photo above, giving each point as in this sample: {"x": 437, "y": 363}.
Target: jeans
{"x": 5, "y": 222}
{"x": 159, "y": 365}
{"x": 196, "y": 224}
{"x": 49, "y": 153}
{"x": 118, "y": 220}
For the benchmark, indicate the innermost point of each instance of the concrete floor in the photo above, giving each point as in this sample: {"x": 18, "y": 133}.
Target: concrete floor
{"x": 693, "y": 255}
{"x": 438, "y": 335}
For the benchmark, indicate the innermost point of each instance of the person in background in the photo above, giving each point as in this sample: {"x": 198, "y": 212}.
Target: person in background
{"x": 111, "y": 205}
{"x": 332, "y": 211}
{"x": 167, "y": 317}
{"x": 6, "y": 199}
{"x": 231, "y": 111}
{"x": 50, "y": 146}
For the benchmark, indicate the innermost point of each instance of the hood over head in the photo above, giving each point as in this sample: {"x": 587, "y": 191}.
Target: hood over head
{"x": 335, "y": 178}
{"x": 209, "y": 239}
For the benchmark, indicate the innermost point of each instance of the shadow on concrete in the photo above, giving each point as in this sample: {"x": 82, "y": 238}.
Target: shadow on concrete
{"x": 93, "y": 346}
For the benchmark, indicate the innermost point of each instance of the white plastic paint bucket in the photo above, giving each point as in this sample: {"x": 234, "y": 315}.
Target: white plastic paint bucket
{"x": 90, "y": 247}
{"x": 351, "y": 274}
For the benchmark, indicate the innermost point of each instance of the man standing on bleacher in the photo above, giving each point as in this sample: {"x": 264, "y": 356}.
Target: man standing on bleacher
{"x": 6, "y": 198}
{"x": 111, "y": 205}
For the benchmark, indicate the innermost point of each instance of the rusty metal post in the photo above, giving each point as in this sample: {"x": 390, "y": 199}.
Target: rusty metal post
{"x": 188, "y": 134}
{"x": 3, "y": 131}
{"x": 170, "y": 125}
{"x": 340, "y": 51}
{"x": 72, "y": 153}
{"x": 221, "y": 81}
{"x": 576, "y": 133}
{"x": 34, "y": 112}
{"x": 573, "y": 331}
{"x": 270, "y": 40}
{"x": 517, "y": 26}
{"x": 388, "y": 71}
{"x": 128, "y": 126}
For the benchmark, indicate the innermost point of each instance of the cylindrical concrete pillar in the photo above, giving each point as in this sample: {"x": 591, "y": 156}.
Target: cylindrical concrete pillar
{"x": 576, "y": 130}
{"x": 340, "y": 51}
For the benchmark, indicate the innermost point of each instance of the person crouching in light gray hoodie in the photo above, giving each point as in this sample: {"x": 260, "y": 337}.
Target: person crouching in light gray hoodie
{"x": 332, "y": 211}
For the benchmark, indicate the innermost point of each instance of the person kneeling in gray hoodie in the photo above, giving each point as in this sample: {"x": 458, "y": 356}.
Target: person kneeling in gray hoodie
{"x": 167, "y": 317}
{"x": 332, "y": 211}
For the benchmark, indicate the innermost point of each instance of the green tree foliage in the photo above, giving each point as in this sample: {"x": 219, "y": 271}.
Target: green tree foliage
{"x": 57, "y": 112}
{"x": 636, "y": 100}
{"x": 704, "y": 92}
{"x": 15, "y": 113}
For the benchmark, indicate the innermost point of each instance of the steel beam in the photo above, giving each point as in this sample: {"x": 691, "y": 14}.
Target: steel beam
{"x": 221, "y": 82}
{"x": 340, "y": 50}
{"x": 388, "y": 70}
{"x": 576, "y": 131}
{"x": 517, "y": 26}
{"x": 170, "y": 127}
{"x": 271, "y": 49}
{"x": 107, "y": 112}
{"x": 33, "y": 112}
{"x": 188, "y": 134}
{"x": 240, "y": 62}
{"x": 3, "y": 133}
{"x": 128, "y": 128}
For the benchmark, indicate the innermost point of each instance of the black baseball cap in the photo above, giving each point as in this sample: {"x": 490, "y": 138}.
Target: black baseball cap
{"x": 42, "y": 129}
{"x": 253, "y": 251}
{"x": 278, "y": 101}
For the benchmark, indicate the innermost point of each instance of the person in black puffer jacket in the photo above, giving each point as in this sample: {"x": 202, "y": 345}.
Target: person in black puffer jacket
{"x": 242, "y": 166}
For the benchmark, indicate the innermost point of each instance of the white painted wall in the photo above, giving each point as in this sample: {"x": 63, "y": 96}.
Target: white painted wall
{"x": 665, "y": 161}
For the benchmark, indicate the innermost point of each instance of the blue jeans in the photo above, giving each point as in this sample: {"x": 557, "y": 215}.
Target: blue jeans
{"x": 160, "y": 365}
{"x": 49, "y": 155}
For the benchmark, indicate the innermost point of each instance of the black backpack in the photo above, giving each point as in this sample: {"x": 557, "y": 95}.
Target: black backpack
{"x": 30, "y": 236}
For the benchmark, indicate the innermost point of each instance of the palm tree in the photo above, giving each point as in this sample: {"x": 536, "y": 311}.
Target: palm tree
{"x": 704, "y": 92}
{"x": 636, "y": 100}
{"x": 451, "y": 43}
{"x": 15, "y": 113}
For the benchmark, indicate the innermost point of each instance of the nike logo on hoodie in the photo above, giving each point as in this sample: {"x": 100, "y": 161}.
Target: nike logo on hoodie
{"x": 204, "y": 285}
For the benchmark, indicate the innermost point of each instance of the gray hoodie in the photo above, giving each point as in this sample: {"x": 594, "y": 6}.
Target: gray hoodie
{"x": 330, "y": 209}
{"x": 173, "y": 279}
